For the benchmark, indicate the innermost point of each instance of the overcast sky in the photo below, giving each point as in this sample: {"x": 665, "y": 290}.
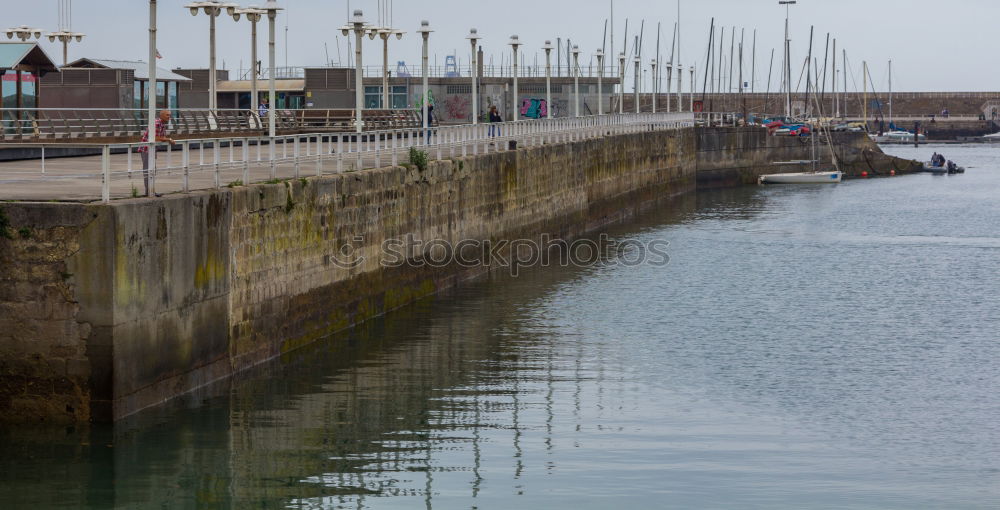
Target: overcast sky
{"x": 934, "y": 45}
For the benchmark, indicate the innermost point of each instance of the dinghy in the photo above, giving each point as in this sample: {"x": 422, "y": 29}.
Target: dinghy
{"x": 803, "y": 178}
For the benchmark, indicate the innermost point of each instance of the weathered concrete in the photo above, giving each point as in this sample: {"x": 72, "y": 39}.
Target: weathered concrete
{"x": 738, "y": 156}
{"x": 144, "y": 300}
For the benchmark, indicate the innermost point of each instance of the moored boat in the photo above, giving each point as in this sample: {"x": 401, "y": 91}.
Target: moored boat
{"x": 831, "y": 177}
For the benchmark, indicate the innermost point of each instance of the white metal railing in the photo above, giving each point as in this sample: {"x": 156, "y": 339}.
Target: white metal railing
{"x": 212, "y": 162}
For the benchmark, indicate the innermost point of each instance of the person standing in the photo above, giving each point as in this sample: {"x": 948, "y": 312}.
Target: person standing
{"x": 161, "y": 136}
{"x": 430, "y": 120}
{"x": 495, "y": 118}
{"x": 263, "y": 108}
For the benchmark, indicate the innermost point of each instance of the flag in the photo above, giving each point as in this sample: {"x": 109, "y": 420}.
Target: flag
{"x": 158, "y": 54}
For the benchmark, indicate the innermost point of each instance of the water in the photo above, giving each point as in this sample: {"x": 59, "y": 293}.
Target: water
{"x": 806, "y": 347}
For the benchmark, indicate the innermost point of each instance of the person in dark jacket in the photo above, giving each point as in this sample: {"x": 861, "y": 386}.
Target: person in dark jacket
{"x": 494, "y": 118}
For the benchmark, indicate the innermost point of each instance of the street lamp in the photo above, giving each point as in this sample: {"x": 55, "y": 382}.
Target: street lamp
{"x": 253, "y": 15}
{"x": 359, "y": 27}
{"x": 788, "y": 66}
{"x": 637, "y": 64}
{"x": 655, "y": 84}
{"x": 576, "y": 81}
{"x": 548, "y": 79}
{"x": 514, "y": 44}
{"x": 272, "y": 16}
{"x": 691, "y": 92}
{"x": 621, "y": 83}
{"x": 473, "y": 38}
{"x": 385, "y": 33}
{"x": 600, "y": 82}
{"x": 425, "y": 33}
{"x": 151, "y": 115}
{"x": 212, "y": 8}
{"x": 65, "y": 36}
{"x": 24, "y": 33}
{"x": 670, "y": 81}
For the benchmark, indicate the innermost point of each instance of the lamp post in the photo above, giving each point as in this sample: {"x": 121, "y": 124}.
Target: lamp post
{"x": 23, "y": 33}
{"x": 65, "y": 36}
{"x": 576, "y": 81}
{"x": 151, "y": 112}
{"x": 655, "y": 84}
{"x": 788, "y": 67}
{"x": 637, "y": 64}
{"x": 425, "y": 33}
{"x": 514, "y": 43}
{"x": 670, "y": 82}
{"x": 385, "y": 33}
{"x": 212, "y": 8}
{"x": 473, "y": 38}
{"x": 600, "y": 82}
{"x": 691, "y": 92}
{"x": 272, "y": 16}
{"x": 359, "y": 27}
{"x": 548, "y": 79}
{"x": 621, "y": 83}
{"x": 253, "y": 15}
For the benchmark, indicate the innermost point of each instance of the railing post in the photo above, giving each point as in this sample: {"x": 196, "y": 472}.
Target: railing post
{"x": 340, "y": 154}
{"x": 246, "y": 161}
{"x": 215, "y": 164}
{"x": 319, "y": 155}
{"x": 186, "y": 163}
{"x": 378, "y": 150}
{"x": 358, "y": 161}
{"x": 395, "y": 156}
{"x": 106, "y": 172}
{"x": 296, "y": 154}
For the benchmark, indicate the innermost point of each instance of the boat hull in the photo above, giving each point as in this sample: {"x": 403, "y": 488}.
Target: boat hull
{"x": 803, "y": 178}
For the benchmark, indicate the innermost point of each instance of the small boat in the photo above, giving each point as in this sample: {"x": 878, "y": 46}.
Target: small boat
{"x": 831, "y": 177}
{"x": 931, "y": 169}
{"x": 899, "y": 137}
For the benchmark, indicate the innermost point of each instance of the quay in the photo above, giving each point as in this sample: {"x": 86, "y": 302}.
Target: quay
{"x": 110, "y": 308}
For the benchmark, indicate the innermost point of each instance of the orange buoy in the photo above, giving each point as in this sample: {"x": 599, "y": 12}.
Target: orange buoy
{"x": 892, "y": 172}
{"x": 864, "y": 174}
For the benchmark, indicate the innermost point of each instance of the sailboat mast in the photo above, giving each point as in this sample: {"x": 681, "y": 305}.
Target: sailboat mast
{"x": 864, "y": 97}
{"x": 833, "y": 83}
{"x": 890, "y": 92}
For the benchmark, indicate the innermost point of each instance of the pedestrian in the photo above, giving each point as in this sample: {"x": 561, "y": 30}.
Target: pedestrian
{"x": 161, "y": 136}
{"x": 263, "y": 109}
{"x": 494, "y": 118}
{"x": 430, "y": 120}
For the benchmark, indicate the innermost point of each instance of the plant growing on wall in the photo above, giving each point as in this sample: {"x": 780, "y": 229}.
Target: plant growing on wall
{"x": 418, "y": 159}
{"x": 4, "y": 223}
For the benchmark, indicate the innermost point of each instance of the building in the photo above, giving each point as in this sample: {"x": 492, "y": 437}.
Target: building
{"x": 21, "y": 66}
{"x": 110, "y": 84}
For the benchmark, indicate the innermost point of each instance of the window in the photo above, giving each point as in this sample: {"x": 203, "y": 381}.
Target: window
{"x": 397, "y": 97}
{"x": 459, "y": 89}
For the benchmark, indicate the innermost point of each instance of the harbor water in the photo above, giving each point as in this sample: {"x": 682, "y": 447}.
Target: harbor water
{"x": 827, "y": 346}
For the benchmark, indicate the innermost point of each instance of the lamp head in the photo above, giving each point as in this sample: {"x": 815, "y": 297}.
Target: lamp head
{"x": 399, "y": 35}
{"x": 514, "y": 42}
{"x": 52, "y": 38}
{"x": 473, "y": 35}
{"x": 272, "y": 9}
{"x": 425, "y": 28}
{"x": 548, "y": 46}
{"x": 576, "y": 50}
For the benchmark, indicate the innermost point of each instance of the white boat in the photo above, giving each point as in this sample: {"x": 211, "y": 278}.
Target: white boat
{"x": 831, "y": 177}
{"x": 899, "y": 137}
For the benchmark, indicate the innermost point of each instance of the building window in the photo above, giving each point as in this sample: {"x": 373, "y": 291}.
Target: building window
{"x": 458, "y": 89}
{"x": 397, "y": 97}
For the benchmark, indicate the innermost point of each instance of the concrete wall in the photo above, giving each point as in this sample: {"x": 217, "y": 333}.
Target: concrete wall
{"x": 144, "y": 300}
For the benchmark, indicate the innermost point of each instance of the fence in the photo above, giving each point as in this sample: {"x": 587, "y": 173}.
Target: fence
{"x": 211, "y": 163}
{"x": 42, "y": 124}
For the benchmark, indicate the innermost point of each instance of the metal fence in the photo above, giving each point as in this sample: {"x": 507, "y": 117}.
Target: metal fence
{"x": 79, "y": 124}
{"x": 115, "y": 169}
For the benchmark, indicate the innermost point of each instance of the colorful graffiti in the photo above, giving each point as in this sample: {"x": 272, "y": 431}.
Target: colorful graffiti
{"x": 457, "y": 107}
{"x": 418, "y": 100}
{"x": 534, "y": 108}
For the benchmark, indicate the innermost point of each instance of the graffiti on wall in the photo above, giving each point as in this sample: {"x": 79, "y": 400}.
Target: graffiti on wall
{"x": 418, "y": 100}
{"x": 534, "y": 108}
{"x": 457, "y": 107}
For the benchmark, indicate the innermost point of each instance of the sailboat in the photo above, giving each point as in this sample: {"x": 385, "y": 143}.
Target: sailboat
{"x": 815, "y": 176}
{"x": 896, "y": 135}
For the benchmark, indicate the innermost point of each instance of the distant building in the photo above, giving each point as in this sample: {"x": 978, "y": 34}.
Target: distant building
{"x": 21, "y": 66}
{"x": 112, "y": 84}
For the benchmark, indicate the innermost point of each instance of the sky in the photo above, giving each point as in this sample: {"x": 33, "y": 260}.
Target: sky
{"x": 934, "y": 45}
